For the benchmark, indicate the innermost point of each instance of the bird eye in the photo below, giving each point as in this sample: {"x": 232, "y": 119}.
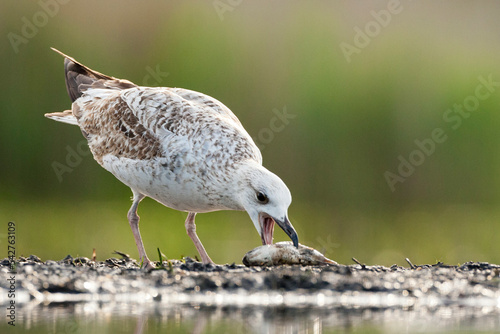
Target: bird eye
{"x": 261, "y": 197}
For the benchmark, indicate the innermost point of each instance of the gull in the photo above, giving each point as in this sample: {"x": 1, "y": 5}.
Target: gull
{"x": 184, "y": 149}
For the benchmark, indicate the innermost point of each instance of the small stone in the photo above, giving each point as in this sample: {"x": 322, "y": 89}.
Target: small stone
{"x": 67, "y": 260}
{"x": 34, "y": 258}
{"x": 81, "y": 260}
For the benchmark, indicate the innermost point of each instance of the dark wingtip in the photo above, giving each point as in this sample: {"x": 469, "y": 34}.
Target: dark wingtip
{"x": 79, "y": 78}
{"x": 78, "y": 75}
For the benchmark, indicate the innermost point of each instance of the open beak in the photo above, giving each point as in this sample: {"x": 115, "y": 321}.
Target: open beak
{"x": 267, "y": 229}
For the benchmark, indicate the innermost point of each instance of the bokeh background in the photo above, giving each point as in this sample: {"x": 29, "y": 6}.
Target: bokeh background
{"x": 356, "y": 103}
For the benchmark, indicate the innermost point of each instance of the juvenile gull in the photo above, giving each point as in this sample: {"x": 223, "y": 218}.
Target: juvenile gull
{"x": 182, "y": 148}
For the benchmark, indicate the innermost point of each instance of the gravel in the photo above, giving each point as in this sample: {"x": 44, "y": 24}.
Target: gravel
{"x": 81, "y": 279}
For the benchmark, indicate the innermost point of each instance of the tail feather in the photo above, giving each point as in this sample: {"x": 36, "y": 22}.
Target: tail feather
{"x": 79, "y": 78}
{"x": 64, "y": 117}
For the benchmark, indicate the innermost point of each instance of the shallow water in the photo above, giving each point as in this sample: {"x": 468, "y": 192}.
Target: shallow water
{"x": 115, "y": 296}
{"x": 261, "y": 314}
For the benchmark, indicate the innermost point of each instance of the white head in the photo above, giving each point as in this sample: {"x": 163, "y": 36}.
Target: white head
{"x": 266, "y": 199}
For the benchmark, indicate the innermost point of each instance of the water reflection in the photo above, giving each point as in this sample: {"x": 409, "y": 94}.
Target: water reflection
{"x": 155, "y": 317}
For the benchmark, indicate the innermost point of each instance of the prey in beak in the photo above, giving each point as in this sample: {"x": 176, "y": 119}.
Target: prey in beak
{"x": 267, "y": 229}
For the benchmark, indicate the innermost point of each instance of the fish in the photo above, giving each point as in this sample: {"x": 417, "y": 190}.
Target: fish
{"x": 285, "y": 252}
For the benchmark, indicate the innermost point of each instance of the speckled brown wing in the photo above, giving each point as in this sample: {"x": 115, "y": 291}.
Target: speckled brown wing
{"x": 111, "y": 127}
{"x": 194, "y": 121}
{"x": 145, "y": 123}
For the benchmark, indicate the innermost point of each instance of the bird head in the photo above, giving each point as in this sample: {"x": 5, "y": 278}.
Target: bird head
{"x": 266, "y": 198}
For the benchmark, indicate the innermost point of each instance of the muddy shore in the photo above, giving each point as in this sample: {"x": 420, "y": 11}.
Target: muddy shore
{"x": 80, "y": 279}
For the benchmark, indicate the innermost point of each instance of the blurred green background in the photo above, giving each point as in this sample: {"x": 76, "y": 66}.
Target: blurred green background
{"x": 353, "y": 117}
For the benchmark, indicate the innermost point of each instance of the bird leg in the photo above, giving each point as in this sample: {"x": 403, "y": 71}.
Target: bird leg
{"x": 191, "y": 231}
{"x": 133, "y": 220}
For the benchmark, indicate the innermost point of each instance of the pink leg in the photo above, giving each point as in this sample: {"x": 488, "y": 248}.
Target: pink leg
{"x": 191, "y": 231}
{"x": 133, "y": 220}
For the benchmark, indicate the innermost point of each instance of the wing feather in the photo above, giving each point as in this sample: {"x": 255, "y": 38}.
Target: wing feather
{"x": 147, "y": 123}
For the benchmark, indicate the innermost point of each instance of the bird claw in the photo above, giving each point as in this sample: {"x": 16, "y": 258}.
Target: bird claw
{"x": 147, "y": 265}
